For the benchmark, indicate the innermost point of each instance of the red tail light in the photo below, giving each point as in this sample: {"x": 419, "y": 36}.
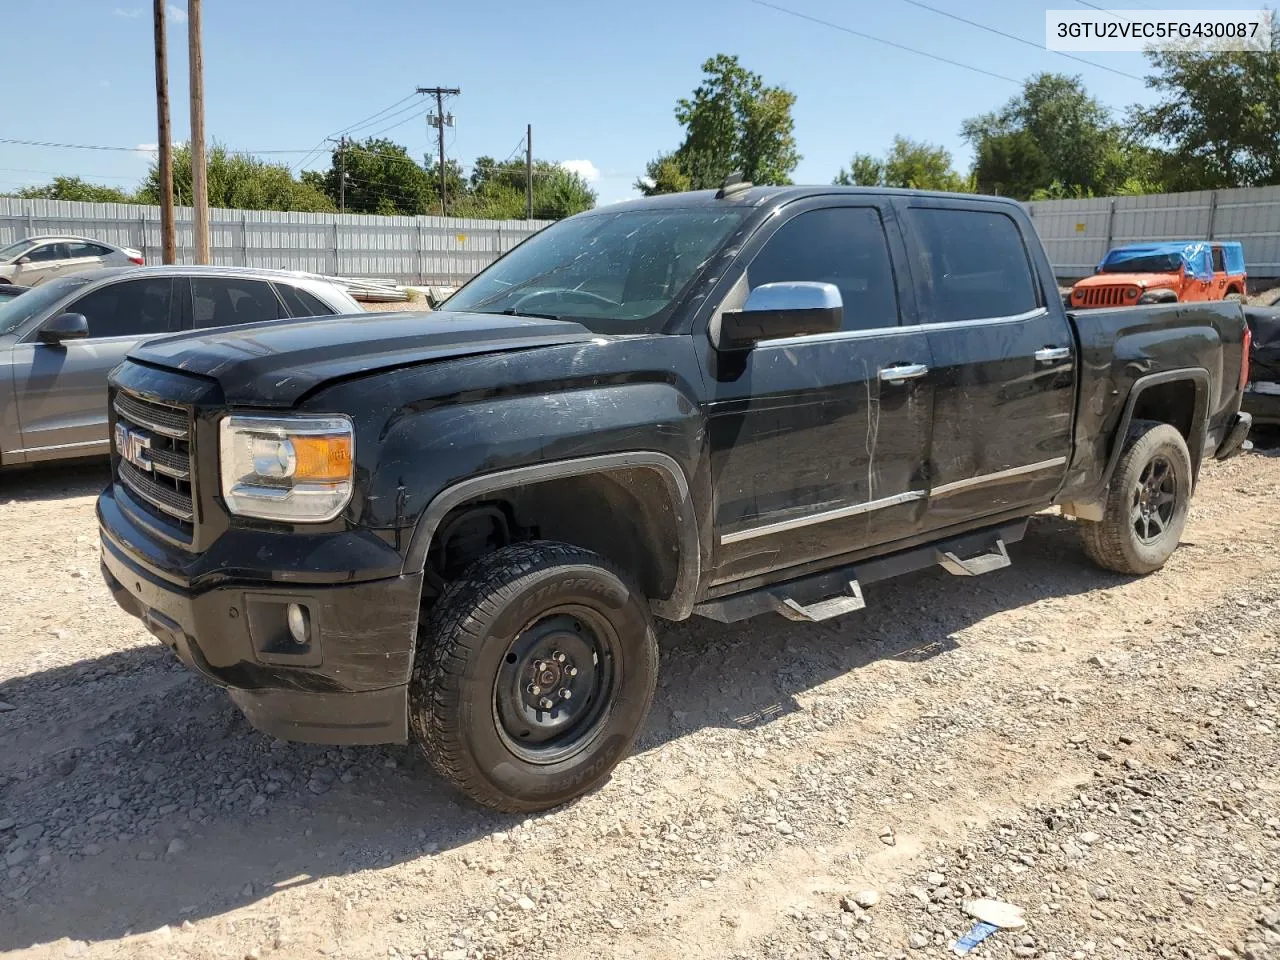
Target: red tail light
{"x": 138, "y": 260}
{"x": 1244, "y": 356}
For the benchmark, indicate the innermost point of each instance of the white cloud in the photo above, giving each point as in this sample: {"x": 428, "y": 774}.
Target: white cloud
{"x": 178, "y": 13}
{"x": 147, "y": 151}
{"x": 130, "y": 13}
{"x": 587, "y": 170}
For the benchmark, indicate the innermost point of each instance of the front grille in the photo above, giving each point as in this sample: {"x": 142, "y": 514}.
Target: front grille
{"x": 1104, "y": 296}
{"x": 153, "y": 444}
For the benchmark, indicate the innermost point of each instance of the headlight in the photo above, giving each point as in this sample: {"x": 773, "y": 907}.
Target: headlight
{"x": 296, "y": 469}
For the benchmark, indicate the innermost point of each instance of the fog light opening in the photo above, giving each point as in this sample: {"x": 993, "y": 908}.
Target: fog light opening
{"x": 299, "y": 623}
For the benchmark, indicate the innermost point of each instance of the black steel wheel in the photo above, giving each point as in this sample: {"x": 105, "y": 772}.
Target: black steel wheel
{"x": 533, "y": 676}
{"x": 1147, "y": 502}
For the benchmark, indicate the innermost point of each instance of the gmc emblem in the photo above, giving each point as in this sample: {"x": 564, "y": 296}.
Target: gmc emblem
{"x": 133, "y": 445}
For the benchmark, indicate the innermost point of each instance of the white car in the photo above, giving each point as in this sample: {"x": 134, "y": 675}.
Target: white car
{"x": 36, "y": 259}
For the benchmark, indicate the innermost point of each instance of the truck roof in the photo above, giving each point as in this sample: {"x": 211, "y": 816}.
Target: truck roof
{"x": 761, "y": 196}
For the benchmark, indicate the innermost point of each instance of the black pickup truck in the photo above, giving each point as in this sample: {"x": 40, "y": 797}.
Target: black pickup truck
{"x": 456, "y": 527}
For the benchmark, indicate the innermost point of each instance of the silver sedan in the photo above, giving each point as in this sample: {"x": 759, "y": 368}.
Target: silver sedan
{"x": 37, "y": 259}
{"x": 59, "y": 341}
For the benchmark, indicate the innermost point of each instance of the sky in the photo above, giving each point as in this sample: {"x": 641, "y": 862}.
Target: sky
{"x": 598, "y": 81}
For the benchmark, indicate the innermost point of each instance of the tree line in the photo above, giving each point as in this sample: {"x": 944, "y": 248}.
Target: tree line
{"x": 1214, "y": 125}
{"x": 364, "y": 176}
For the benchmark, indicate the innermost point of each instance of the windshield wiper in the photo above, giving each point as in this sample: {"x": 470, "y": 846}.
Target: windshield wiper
{"x": 525, "y": 313}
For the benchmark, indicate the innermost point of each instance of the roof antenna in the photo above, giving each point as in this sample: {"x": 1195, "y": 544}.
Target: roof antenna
{"x": 733, "y": 185}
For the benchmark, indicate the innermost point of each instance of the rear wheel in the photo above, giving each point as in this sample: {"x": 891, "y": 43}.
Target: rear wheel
{"x": 533, "y": 676}
{"x": 1147, "y": 502}
{"x": 1236, "y": 296}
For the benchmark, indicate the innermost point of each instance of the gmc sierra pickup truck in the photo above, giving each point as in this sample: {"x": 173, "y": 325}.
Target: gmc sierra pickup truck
{"x": 457, "y": 527}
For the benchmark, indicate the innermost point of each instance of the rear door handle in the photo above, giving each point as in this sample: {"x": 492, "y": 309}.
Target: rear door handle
{"x": 1052, "y": 354}
{"x": 902, "y": 372}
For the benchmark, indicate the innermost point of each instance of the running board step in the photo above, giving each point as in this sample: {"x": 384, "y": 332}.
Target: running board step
{"x": 823, "y": 609}
{"x": 997, "y": 558}
{"x": 806, "y": 597}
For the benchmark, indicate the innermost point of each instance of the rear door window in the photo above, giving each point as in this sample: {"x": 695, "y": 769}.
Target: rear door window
{"x": 301, "y": 303}
{"x": 231, "y": 302}
{"x": 976, "y": 264}
{"x": 130, "y": 308}
{"x": 1219, "y": 261}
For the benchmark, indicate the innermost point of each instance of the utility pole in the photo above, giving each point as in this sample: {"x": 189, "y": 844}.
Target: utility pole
{"x": 199, "y": 172}
{"x": 168, "y": 242}
{"x": 440, "y": 121}
{"x": 342, "y": 174}
{"x": 528, "y": 172}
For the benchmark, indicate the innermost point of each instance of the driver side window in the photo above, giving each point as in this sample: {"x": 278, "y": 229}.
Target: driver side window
{"x": 137, "y": 308}
{"x": 845, "y": 246}
{"x": 46, "y": 252}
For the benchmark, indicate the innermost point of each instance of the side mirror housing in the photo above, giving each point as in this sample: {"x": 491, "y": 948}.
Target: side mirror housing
{"x": 22, "y": 261}
{"x": 775, "y": 310}
{"x": 65, "y": 326}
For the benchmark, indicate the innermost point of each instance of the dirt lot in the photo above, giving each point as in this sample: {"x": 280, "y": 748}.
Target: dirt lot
{"x": 1098, "y": 750}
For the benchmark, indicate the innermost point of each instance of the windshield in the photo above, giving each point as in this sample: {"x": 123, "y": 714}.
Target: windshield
{"x": 21, "y": 309}
{"x": 613, "y": 273}
{"x": 14, "y": 250}
{"x": 1152, "y": 263}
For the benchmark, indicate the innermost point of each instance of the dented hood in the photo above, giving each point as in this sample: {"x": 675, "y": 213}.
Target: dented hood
{"x": 277, "y": 362}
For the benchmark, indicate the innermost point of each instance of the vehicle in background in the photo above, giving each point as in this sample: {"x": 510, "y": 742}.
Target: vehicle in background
{"x": 1262, "y": 392}
{"x": 35, "y": 260}
{"x": 10, "y": 290}
{"x": 1176, "y": 272}
{"x": 59, "y": 341}
{"x": 456, "y": 526}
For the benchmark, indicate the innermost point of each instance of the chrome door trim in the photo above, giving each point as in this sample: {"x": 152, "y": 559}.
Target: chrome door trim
{"x": 957, "y": 485}
{"x": 908, "y": 328}
{"x": 839, "y": 513}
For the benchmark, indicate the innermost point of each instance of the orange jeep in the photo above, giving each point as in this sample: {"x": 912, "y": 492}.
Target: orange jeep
{"x": 1166, "y": 272}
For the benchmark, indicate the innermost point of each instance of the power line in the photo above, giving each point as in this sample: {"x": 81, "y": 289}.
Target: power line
{"x": 1016, "y": 38}
{"x": 888, "y": 43}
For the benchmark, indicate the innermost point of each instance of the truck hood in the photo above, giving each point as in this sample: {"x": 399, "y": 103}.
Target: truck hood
{"x": 1147, "y": 281}
{"x": 274, "y": 364}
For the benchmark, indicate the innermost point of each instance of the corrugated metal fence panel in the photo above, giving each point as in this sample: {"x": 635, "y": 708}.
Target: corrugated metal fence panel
{"x": 1074, "y": 232}
{"x": 407, "y": 249}
{"x": 1077, "y": 233}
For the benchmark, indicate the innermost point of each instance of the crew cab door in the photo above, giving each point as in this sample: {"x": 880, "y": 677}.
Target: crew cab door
{"x": 816, "y": 450}
{"x": 1004, "y": 360}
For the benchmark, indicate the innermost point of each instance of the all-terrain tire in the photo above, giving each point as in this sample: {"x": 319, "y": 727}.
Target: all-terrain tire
{"x": 1125, "y": 540}
{"x": 478, "y": 637}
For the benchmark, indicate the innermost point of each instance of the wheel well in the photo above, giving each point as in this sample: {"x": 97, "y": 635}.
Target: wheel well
{"x": 625, "y": 515}
{"x": 1173, "y": 402}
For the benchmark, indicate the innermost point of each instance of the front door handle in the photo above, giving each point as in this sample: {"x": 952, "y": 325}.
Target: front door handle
{"x": 902, "y": 372}
{"x": 1052, "y": 354}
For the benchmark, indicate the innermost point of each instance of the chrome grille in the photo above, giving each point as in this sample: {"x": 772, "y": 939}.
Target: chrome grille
{"x": 153, "y": 445}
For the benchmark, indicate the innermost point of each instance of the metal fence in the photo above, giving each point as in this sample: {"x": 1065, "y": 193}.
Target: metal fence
{"x": 1077, "y": 233}
{"x": 408, "y": 249}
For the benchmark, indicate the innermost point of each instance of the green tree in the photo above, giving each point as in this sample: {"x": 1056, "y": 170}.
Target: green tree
{"x": 499, "y": 191}
{"x": 912, "y": 164}
{"x": 381, "y": 178}
{"x": 73, "y": 188}
{"x": 1216, "y": 122}
{"x": 238, "y": 181}
{"x": 733, "y": 122}
{"x": 1069, "y": 138}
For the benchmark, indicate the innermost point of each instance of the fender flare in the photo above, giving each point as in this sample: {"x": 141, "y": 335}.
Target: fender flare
{"x": 1199, "y": 421}
{"x": 677, "y": 606}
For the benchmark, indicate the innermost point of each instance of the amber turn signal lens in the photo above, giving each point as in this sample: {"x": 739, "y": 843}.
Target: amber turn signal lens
{"x": 322, "y": 459}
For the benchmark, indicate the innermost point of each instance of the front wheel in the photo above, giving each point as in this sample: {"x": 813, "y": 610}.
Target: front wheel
{"x": 533, "y": 676}
{"x": 1147, "y": 503}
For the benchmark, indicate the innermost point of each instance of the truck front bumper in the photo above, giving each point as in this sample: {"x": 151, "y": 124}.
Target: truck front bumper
{"x": 347, "y": 684}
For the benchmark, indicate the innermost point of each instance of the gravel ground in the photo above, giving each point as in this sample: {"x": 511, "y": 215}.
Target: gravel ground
{"x": 1097, "y": 750}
